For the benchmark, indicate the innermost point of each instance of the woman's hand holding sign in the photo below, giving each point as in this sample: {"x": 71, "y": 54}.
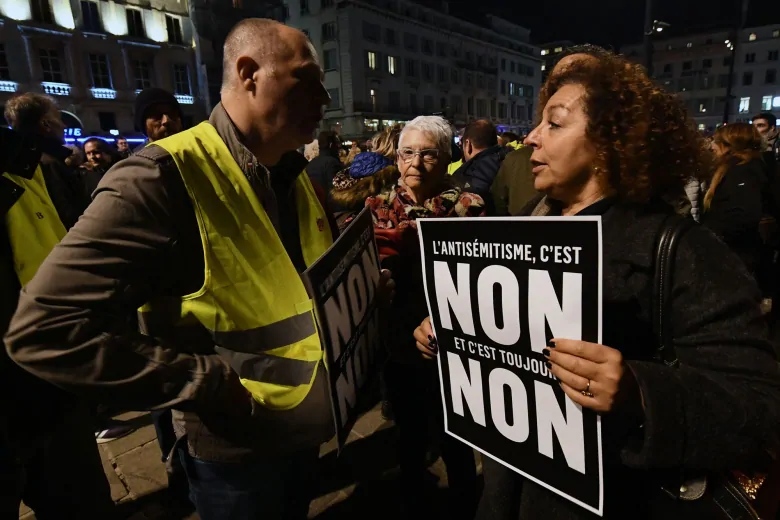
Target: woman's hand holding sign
{"x": 594, "y": 376}
{"x": 426, "y": 342}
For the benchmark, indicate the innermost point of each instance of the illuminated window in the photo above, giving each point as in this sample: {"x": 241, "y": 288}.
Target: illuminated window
{"x": 90, "y": 17}
{"x": 50, "y": 65}
{"x": 776, "y": 33}
{"x": 392, "y": 64}
{"x": 371, "y": 60}
{"x": 5, "y": 72}
{"x": 744, "y": 105}
{"x": 752, "y": 37}
{"x": 766, "y": 103}
{"x": 544, "y": 67}
{"x": 135, "y": 24}
{"x": 701, "y": 127}
{"x": 689, "y": 44}
{"x": 173, "y": 25}
{"x": 558, "y": 49}
{"x": 181, "y": 80}
{"x": 545, "y": 52}
{"x": 101, "y": 74}
{"x": 142, "y": 75}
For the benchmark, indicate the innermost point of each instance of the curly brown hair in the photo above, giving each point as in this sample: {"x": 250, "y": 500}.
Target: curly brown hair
{"x": 645, "y": 141}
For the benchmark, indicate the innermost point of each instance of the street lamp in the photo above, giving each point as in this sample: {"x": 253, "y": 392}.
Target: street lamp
{"x": 657, "y": 27}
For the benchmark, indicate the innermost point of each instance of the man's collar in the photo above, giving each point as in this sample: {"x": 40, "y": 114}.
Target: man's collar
{"x": 227, "y": 130}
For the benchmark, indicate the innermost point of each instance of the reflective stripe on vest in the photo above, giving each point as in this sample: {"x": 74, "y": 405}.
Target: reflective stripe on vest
{"x": 252, "y": 301}
{"x": 33, "y": 224}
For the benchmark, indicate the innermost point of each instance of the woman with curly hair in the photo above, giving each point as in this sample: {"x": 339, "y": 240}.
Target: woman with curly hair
{"x": 613, "y": 144}
{"x": 738, "y": 196}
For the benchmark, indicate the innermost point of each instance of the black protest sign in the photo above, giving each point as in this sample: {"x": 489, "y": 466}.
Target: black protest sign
{"x": 343, "y": 284}
{"x": 498, "y": 290}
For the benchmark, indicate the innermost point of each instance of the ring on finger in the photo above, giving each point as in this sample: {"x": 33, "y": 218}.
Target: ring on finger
{"x": 587, "y": 392}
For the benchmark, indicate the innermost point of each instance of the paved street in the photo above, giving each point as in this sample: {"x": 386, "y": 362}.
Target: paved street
{"x": 363, "y": 479}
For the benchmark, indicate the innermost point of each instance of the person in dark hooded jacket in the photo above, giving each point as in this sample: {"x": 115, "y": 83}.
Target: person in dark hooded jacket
{"x": 482, "y": 157}
{"x": 327, "y": 164}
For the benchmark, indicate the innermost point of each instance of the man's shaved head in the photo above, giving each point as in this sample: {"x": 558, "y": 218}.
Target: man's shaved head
{"x": 259, "y": 38}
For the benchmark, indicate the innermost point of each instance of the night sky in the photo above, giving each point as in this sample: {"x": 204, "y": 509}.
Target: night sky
{"x": 618, "y": 22}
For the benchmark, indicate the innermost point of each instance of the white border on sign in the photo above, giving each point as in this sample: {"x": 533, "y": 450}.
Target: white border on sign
{"x": 590, "y": 218}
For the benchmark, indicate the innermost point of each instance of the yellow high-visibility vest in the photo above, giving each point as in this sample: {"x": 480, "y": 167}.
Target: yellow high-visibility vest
{"x": 515, "y": 145}
{"x": 453, "y": 166}
{"x": 253, "y": 301}
{"x": 33, "y": 224}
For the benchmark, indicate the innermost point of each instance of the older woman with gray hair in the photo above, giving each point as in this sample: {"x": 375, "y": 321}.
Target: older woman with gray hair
{"x": 418, "y": 187}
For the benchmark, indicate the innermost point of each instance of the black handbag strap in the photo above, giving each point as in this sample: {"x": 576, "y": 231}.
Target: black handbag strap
{"x": 672, "y": 230}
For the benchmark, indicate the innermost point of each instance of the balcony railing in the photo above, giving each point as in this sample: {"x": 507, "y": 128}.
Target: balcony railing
{"x": 56, "y": 89}
{"x": 185, "y": 99}
{"x": 8, "y": 86}
{"x": 103, "y": 93}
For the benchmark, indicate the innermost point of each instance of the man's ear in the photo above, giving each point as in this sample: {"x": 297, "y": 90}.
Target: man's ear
{"x": 246, "y": 68}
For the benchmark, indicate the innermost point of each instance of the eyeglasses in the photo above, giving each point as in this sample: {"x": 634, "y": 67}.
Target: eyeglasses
{"x": 430, "y": 155}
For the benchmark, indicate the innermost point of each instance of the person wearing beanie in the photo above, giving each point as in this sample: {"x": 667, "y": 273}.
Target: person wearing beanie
{"x": 157, "y": 114}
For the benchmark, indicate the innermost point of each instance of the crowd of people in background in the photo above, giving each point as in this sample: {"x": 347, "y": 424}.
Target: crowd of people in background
{"x": 609, "y": 142}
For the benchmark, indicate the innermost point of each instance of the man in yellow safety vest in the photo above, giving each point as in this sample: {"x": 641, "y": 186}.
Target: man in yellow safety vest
{"x": 195, "y": 232}
{"x": 48, "y": 455}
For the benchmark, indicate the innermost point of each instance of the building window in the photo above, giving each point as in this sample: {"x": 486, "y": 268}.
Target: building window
{"x": 455, "y": 76}
{"x": 304, "y": 7}
{"x": 5, "y": 72}
{"x": 744, "y": 105}
{"x": 752, "y": 37}
{"x": 50, "y": 65}
{"x": 90, "y": 16}
{"x": 558, "y": 49}
{"x": 395, "y": 100}
{"x": 770, "y": 76}
{"x": 480, "y": 81}
{"x": 441, "y": 49}
{"x": 776, "y": 33}
{"x": 371, "y": 32}
{"x": 330, "y": 59}
{"x": 703, "y": 105}
{"x": 747, "y": 78}
{"x": 503, "y": 87}
{"x": 687, "y": 65}
{"x": 427, "y": 72}
{"x": 511, "y": 89}
{"x": 441, "y": 73}
{"x": 142, "y": 74}
{"x": 392, "y": 65}
{"x": 181, "y": 80}
{"x": 443, "y": 104}
{"x": 469, "y": 79}
{"x": 772, "y": 56}
{"x": 390, "y": 37}
{"x": 481, "y": 108}
{"x": 707, "y": 63}
{"x": 328, "y": 31}
{"x": 727, "y": 61}
{"x": 705, "y": 82}
{"x": 766, "y": 103}
{"x": 668, "y": 68}
{"x": 41, "y": 11}
{"x": 457, "y": 104}
{"x": 544, "y": 67}
{"x": 371, "y": 60}
{"x": 503, "y": 64}
{"x": 427, "y": 46}
{"x": 502, "y": 110}
{"x": 428, "y": 104}
{"x": 689, "y": 44}
{"x": 545, "y": 52}
{"x": 135, "y": 23}
{"x": 173, "y": 25}
{"x": 410, "y": 42}
{"x": 723, "y": 80}
{"x": 101, "y": 74}
{"x": 107, "y": 121}
{"x": 411, "y": 68}
{"x": 512, "y": 67}
{"x": 750, "y": 57}
{"x": 413, "y": 102}
{"x": 492, "y": 108}
{"x": 335, "y": 98}
{"x": 470, "y": 106}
